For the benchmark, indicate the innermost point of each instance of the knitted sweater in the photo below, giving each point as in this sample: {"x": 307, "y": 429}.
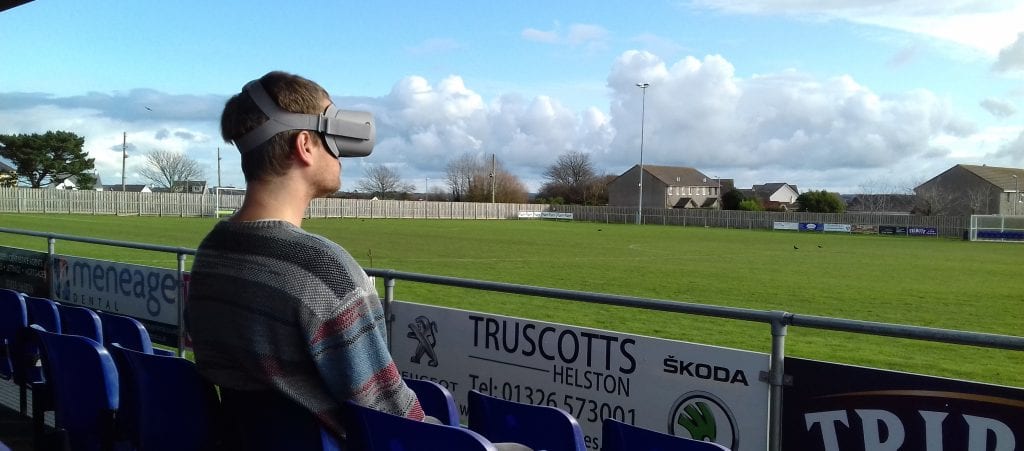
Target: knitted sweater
{"x": 272, "y": 306}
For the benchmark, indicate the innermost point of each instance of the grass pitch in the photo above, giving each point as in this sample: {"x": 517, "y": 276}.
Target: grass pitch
{"x": 906, "y": 280}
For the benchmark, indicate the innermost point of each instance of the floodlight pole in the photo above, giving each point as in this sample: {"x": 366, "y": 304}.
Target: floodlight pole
{"x": 124, "y": 156}
{"x": 643, "y": 108}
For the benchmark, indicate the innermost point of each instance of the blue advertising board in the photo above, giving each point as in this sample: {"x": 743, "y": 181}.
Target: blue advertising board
{"x": 812, "y": 227}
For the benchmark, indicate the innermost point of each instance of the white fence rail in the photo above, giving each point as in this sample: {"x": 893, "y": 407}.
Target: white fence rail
{"x": 27, "y": 200}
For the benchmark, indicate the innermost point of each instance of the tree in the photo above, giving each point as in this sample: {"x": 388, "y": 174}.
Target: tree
{"x": 979, "y": 199}
{"x": 383, "y": 182}
{"x": 573, "y": 178}
{"x": 749, "y": 205}
{"x": 821, "y": 202}
{"x": 731, "y": 200}
{"x": 164, "y": 167}
{"x": 460, "y": 174}
{"x": 469, "y": 179}
{"x": 46, "y": 159}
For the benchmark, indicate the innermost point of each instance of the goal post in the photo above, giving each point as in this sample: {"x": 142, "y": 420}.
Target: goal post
{"x": 997, "y": 228}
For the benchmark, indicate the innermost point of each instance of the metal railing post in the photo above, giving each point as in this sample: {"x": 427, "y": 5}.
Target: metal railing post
{"x": 389, "y": 295}
{"x": 181, "y": 304}
{"x": 777, "y": 379}
{"x": 51, "y": 246}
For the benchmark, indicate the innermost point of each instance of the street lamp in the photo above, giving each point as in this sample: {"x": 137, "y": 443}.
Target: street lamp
{"x": 643, "y": 107}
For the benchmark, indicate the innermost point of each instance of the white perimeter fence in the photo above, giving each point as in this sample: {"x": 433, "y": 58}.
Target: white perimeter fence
{"x": 27, "y": 200}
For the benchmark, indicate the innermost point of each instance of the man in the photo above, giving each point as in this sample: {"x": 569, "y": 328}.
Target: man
{"x": 273, "y": 308}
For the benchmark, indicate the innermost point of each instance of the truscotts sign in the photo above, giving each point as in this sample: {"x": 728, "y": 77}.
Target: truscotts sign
{"x": 832, "y": 407}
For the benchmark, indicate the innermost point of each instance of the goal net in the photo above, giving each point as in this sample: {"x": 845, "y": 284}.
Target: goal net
{"x": 997, "y": 228}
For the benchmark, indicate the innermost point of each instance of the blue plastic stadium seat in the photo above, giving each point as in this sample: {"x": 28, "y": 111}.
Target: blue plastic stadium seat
{"x": 619, "y": 436}
{"x": 166, "y": 405}
{"x": 13, "y": 320}
{"x": 43, "y": 311}
{"x": 80, "y": 321}
{"x": 84, "y": 379}
{"x": 538, "y": 427}
{"x": 126, "y": 331}
{"x": 436, "y": 400}
{"x": 373, "y": 430}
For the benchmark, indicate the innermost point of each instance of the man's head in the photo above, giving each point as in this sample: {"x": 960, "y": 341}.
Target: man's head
{"x": 241, "y": 115}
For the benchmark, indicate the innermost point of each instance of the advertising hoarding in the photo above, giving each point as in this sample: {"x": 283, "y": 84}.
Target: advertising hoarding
{"x": 674, "y": 387}
{"x": 834, "y": 407}
{"x": 23, "y": 271}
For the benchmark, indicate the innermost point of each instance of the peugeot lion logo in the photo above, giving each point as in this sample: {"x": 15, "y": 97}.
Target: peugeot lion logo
{"x": 422, "y": 329}
{"x": 702, "y": 416}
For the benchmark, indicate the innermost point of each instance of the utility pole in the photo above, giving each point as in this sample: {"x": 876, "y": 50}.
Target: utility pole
{"x": 124, "y": 157}
{"x": 643, "y": 110}
{"x": 492, "y": 178}
{"x": 218, "y": 167}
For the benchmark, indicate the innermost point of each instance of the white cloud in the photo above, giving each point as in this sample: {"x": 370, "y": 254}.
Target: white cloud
{"x": 825, "y": 133}
{"x": 578, "y": 35}
{"x": 1011, "y": 58}
{"x": 999, "y": 108}
{"x": 986, "y": 25}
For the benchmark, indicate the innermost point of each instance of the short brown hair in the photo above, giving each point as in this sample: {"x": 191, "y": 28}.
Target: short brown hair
{"x": 241, "y": 115}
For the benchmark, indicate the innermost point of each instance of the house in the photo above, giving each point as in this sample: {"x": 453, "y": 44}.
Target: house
{"x": 8, "y": 175}
{"x": 665, "y": 187}
{"x": 886, "y": 204}
{"x": 189, "y": 186}
{"x": 128, "y": 188}
{"x": 967, "y": 189}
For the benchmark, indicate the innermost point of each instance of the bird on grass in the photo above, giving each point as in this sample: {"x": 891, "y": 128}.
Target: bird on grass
{"x": 795, "y": 247}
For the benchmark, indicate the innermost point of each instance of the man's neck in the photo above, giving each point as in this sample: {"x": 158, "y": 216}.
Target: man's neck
{"x": 273, "y": 200}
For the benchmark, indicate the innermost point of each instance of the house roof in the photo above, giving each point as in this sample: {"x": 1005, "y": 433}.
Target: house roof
{"x": 685, "y": 202}
{"x": 888, "y": 202}
{"x": 768, "y": 189}
{"x": 127, "y": 188}
{"x": 4, "y": 167}
{"x": 680, "y": 176}
{"x": 1001, "y": 177}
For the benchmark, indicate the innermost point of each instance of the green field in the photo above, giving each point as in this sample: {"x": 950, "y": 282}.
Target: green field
{"x": 917, "y": 281}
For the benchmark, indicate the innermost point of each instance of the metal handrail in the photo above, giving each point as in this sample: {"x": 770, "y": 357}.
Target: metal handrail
{"x": 778, "y": 320}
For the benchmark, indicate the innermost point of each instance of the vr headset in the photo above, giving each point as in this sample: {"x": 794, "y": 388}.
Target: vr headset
{"x": 347, "y": 133}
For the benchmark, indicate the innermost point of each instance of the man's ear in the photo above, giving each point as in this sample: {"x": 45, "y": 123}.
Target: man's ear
{"x": 303, "y": 147}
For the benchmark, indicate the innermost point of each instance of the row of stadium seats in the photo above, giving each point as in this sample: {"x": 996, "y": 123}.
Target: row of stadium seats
{"x": 110, "y": 390}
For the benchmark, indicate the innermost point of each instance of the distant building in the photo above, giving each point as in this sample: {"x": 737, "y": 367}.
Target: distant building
{"x": 967, "y": 189}
{"x": 886, "y": 204}
{"x": 8, "y": 175}
{"x": 128, "y": 188}
{"x": 665, "y": 187}
{"x": 189, "y": 186}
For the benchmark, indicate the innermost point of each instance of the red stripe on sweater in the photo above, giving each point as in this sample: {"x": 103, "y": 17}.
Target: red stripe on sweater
{"x": 384, "y": 379}
{"x": 345, "y": 319}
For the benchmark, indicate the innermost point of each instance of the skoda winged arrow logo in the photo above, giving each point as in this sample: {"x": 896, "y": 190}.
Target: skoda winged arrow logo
{"x": 422, "y": 329}
{"x": 702, "y": 416}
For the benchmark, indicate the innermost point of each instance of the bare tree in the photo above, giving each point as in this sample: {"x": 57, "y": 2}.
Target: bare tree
{"x": 461, "y": 173}
{"x": 164, "y": 167}
{"x": 930, "y": 200}
{"x": 979, "y": 199}
{"x": 384, "y": 182}
{"x": 572, "y": 178}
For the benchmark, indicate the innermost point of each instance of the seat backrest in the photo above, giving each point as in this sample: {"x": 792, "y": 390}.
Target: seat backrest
{"x": 372, "y": 430}
{"x": 80, "y": 321}
{"x": 43, "y": 311}
{"x": 85, "y": 392}
{"x": 166, "y": 403}
{"x": 538, "y": 427}
{"x": 619, "y": 436}
{"x": 436, "y": 400}
{"x": 13, "y": 319}
{"x": 265, "y": 420}
{"x": 125, "y": 330}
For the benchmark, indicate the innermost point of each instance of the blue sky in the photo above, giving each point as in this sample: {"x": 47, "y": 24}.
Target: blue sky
{"x": 844, "y": 95}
